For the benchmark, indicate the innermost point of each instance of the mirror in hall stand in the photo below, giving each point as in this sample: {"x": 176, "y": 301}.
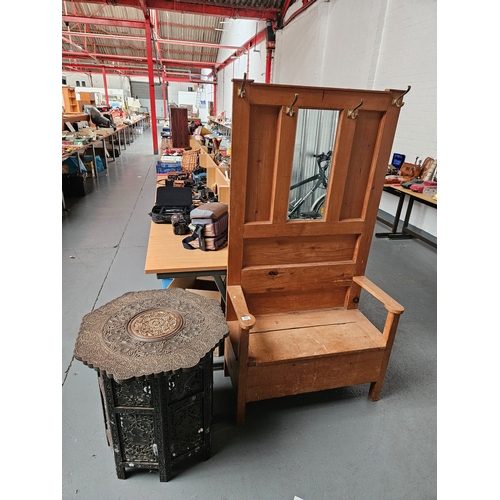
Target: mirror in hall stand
{"x": 313, "y": 150}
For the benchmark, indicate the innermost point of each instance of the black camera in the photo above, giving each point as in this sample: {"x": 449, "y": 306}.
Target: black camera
{"x": 179, "y": 224}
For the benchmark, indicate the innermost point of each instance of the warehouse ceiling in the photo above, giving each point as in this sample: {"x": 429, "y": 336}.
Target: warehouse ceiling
{"x": 111, "y": 36}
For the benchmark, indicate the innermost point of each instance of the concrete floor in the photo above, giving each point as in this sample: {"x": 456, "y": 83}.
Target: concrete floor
{"x": 331, "y": 445}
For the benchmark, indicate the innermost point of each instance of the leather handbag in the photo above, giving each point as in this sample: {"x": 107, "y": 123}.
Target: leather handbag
{"x": 210, "y": 225}
{"x": 409, "y": 171}
{"x": 428, "y": 169}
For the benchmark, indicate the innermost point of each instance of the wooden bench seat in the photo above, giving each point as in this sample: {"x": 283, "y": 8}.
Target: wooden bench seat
{"x": 299, "y": 356}
{"x": 308, "y": 334}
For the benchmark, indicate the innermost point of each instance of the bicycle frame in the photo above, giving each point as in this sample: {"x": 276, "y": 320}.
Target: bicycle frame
{"x": 320, "y": 179}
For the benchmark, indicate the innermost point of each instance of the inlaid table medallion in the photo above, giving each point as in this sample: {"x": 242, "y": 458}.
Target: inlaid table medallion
{"x": 153, "y": 351}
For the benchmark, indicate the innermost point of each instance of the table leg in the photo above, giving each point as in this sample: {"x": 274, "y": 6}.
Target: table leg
{"x": 95, "y": 161}
{"x": 407, "y": 217}
{"x": 113, "y": 146}
{"x": 403, "y": 235}
{"x": 221, "y": 286}
{"x": 396, "y": 218}
{"x": 105, "y": 149}
{"x": 105, "y": 159}
{"x": 119, "y": 140}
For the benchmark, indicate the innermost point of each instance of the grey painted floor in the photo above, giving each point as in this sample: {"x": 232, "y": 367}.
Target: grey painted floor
{"x": 330, "y": 445}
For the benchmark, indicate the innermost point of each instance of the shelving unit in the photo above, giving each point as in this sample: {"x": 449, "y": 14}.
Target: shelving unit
{"x": 71, "y": 104}
{"x": 219, "y": 127}
{"x": 87, "y": 98}
{"x": 222, "y": 130}
{"x": 217, "y": 179}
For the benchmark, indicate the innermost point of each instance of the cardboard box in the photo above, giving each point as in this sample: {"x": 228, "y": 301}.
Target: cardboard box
{"x": 104, "y": 131}
{"x": 89, "y": 165}
{"x": 202, "y": 285}
{"x": 87, "y": 132}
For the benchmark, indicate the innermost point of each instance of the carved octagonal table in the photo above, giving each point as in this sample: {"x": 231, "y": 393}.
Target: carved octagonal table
{"x": 153, "y": 351}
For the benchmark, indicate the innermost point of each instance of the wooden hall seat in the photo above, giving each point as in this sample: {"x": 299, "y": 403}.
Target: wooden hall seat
{"x": 294, "y": 284}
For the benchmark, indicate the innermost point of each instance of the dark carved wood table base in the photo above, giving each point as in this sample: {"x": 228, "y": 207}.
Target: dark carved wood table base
{"x": 153, "y": 352}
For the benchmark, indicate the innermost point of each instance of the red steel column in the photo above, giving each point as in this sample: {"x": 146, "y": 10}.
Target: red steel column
{"x": 215, "y": 99}
{"x": 105, "y": 85}
{"x": 269, "y": 58}
{"x": 152, "y": 101}
{"x": 164, "y": 95}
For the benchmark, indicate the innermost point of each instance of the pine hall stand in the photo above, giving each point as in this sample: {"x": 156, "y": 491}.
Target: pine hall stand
{"x": 293, "y": 286}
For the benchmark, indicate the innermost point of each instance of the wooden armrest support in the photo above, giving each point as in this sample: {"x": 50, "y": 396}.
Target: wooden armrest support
{"x": 237, "y": 297}
{"x": 389, "y": 303}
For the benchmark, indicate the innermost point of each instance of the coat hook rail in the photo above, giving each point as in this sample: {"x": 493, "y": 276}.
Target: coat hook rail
{"x": 398, "y": 101}
{"x": 353, "y": 113}
{"x": 289, "y": 109}
{"x": 241, "y": 90}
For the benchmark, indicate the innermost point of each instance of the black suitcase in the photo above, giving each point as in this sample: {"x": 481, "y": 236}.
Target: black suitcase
{"x": 169, "y": 201}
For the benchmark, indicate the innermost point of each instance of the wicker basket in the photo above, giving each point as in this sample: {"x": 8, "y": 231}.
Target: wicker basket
{"x": 190, "y": 160}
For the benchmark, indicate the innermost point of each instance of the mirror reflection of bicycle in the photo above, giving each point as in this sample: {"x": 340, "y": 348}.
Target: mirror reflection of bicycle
{"x": 320, "y": 179}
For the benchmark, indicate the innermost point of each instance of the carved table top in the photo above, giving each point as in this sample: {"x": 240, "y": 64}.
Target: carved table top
{"x": 150, "y": 332}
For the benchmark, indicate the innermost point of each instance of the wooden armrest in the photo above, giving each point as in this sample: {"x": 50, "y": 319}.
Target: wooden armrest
{"x": 237, "y": 297}
{"x": 389, "y": 303}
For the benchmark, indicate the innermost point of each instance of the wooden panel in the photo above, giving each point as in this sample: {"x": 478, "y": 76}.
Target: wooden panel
{"x": 339, "y": 168}
{"x": 306, "y": 278}
{"x": 287, "y": 250}
{"x": 357, "y": 186}
{"x": 179, "y": 126}
{"x": 239, "y": 149}
{"x": 302, "y": 228}
{"x": 298, "y": 299}
{"x": 312, "y": 375}
{"x": 286, "y": 129}
{"x": 315, "y": 97}
{"x": 261, "y": 151}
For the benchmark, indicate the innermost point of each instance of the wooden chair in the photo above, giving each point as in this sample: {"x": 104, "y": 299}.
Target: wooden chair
{"x": 293, "y": 285}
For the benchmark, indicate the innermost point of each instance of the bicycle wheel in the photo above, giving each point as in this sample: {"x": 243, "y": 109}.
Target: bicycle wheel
{"x": 319, "y": 205}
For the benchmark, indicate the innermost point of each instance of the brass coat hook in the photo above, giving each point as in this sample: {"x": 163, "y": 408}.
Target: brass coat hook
{"x": 241, "y": 90}
{"x": 289, "y": 109}
{"x": 398, "y": 102}
{"x": 353, "y": 113}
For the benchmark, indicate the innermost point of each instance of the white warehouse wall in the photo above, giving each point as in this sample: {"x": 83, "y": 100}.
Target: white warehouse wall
{"x": 97, "y": 80}
{"x": 237, "y": 33}
{"x": 369, "y": 45}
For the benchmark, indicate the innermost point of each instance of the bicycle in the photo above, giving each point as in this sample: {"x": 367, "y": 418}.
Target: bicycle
{"x": 321, "y": 179}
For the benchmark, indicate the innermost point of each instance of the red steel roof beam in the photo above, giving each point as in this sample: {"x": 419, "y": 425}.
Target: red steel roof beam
{"x": 193, "y": 8}
{"x": 144, "y": 75}
{"x": 133, "y": 38}
{"x": 140, "y": 60}
{"x": 85, "y": 67}
{"x": 104, "y": 21}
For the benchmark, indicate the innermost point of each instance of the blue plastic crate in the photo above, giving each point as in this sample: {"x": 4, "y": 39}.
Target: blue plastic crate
{"x": 166, "y": 168}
